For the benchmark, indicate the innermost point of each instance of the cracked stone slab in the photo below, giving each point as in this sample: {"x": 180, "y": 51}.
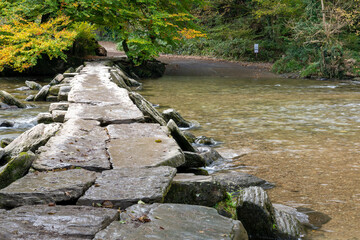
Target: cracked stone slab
{"x": 125, "y": 187}
{"x": 142, "y": 145}
{"x": 59, "y": 222}
{"x": 173, "y": 221}
{"x": 126, "y": 112}
{"x": 47, "y": 187}
{"x": 80, "y": 143}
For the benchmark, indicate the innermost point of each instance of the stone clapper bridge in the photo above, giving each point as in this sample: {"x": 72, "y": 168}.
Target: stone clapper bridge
{"x": 104, "y": 159}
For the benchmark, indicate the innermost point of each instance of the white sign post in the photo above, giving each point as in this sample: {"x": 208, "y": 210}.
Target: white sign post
{"x": 256, "y": 49}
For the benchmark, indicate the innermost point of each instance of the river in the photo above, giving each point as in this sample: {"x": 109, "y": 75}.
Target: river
{"x": 302, "y": 135}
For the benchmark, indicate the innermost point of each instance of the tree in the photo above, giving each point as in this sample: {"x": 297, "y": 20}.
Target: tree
{"x": 145, "y": 27}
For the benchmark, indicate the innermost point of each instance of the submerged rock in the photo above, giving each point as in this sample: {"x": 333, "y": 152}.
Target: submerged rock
{"x": 58, "y": 222}
{"x": 173, "y": 221}
{"x": 125, "y": 187}
{"x": 176, "y": 117}
{"x": 188, "y": 188}
{"x": 32, "y": 139}
{"x": 47, "y": 187}
{"x": 179, "y": 137}
{"x": 33, "y": 85}
{"x": 16, "y": 168}
{"x": 203, "y": 140}
{"x": 42, "y": 94}
{"x": 8, "y": 99}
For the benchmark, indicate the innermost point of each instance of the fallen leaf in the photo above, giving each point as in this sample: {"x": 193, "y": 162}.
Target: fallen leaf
{"x": 158, "y": 141}
{"x": 51, "y": 204}
{"x": 68, "y": 194}
{"x": 107, "y": 204}
{"x": 144, "y": 219}
{"x": 141, "y": 202}
{"x": 161, "y": 228}
{"x": 156, "y": 217}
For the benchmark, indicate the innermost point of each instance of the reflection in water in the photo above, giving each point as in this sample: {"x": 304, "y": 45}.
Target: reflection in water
{"x": 303, "y": 135}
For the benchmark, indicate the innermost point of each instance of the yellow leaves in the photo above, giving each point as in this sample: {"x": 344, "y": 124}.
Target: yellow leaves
{"x": 23, "y": 42}
{"x": 191, "y": 33}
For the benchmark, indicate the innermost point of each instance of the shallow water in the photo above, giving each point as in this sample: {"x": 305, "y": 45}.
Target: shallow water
{"x": 23, "y": 118}
{"x": 302, "y": 135}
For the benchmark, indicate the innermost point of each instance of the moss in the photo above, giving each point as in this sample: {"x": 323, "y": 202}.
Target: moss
{"x": 228, "y": 206}
{"x": 16, "y": 168}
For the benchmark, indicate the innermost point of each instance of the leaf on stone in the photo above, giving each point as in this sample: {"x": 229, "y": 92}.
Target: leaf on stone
{"x": 144, "y": 219}
{"x": 122, "y": 222}
{"x": 158, "y": 140}
{"x": 141, "y": 202}
{"x": 107, "y": 204}
{"x": 51, "y": 204}
{"x": 68, "y": 194}
{"x": 156, "y": 217}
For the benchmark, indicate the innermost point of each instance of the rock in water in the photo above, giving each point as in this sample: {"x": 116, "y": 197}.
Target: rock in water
{"x": 209, "y": 154}
{"x": 147, "y": 109}
{"x": 8, "y": 99}
{"x": 58, "y": 79}
{"x": 256, "y": 212}
{"x": 42, "y": 94}
{"x": 16, "y": 168}
{"x": 32, "y": 139}
{"x": 7, "y": 123}
{"x": 179, "y": 137}
{"x": 193, "y": 160}
{"x": 173, "y": 221}
{"x": 33, "y": 85}
{"x": 178, "y": 119}
{"x": 288, "y": 225}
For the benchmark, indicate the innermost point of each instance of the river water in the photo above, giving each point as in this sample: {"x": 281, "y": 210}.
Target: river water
{"x": 302, "y": 135}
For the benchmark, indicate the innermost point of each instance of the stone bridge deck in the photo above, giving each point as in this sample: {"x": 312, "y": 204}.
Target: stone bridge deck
{"x": 105, "y": 157}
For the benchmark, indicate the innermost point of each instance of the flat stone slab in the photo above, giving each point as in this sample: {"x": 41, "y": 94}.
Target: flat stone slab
{"x": 80, "y": 143}
{"x": 125, "y": 187}
{"x": 47, "y": 187}
{"x": 173, "y": 221}
{"x": 59, "y": 222}
{"x": 142, "y": 145}
{"x": 126, "y": 112}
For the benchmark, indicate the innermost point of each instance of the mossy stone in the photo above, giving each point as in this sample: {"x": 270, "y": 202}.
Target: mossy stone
{"x": 16, "y": 168}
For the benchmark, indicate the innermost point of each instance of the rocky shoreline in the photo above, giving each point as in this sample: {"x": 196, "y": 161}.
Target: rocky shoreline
{"x": 105, "y": 164}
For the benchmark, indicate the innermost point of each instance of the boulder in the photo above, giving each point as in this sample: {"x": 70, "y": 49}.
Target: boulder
{"x": 70, "y": 70}
{"x": 55, "y": 222}
{"x": 33, "y": 85}
{"x": 79, "y": 68}
{"x": 288, "y": 225}
{"x": 8, "y": 99}
{"x": 256, "y": 212}
{"x": 101, "y": 51}
{"x": 193, "y": 160}
{"x": 179, "y": 137}
{"x": 45, "y": 118}
{"x": 129, "y": 81}
{"x": 32, "y": 139}
{"x": 79, "y": 143}
{"x": 57, "y": 80}
{"x": 189, "y": 136}
{"x": 42, "y": 94}
{"x": 63, "y": 93}
{"x": 173, "y": 221}
{"x": 4, "y": 106}
{"x": 7, "y": 123}
{"x": 235, "y": 181}
{"x": 209, "y": 154}
{"x": 147, "y": 109}
{"x": 176, "y": 117}
{"x": 16, "y": 168}
{"x": 188, "y": 188}
{"x": 142, "y": 145}
{"x": 59, "y": 106}
{"x": 2, "y": 152}
{"x": 54, "y": 90}
{"x": 124, "y": 187}
{"x": 30, "y": 98}
{"x": 47, "y": 187}
{"x": 58, "y": 115}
